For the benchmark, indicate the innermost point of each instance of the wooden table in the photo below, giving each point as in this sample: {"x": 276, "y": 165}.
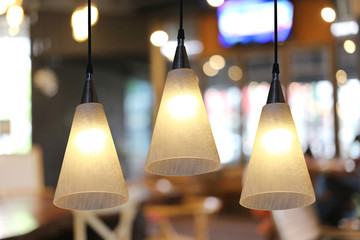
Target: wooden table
{"x": 29, "y": 216}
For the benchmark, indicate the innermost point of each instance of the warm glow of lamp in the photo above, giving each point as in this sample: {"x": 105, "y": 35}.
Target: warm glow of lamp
{"x": 91, "y": 177}
{"x": 182, "y": 142}
{"x": 277, "y": 176}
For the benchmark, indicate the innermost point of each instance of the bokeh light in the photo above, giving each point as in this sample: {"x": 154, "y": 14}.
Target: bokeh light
{"x": 14, "y": 16}
{"x": 235, "y": 73}
{"x": 350, "y": 46}
{"x": 341, "y": 77}
{"x": 3, "y": 7}
{"x": 209, "y": 70}
{"x": 159, "y": 38}
{"x": 328, "y": 14}
{"x": 217, "y": 62}
{"x": 79, "y": 22}
{"x": 215, "y": 3}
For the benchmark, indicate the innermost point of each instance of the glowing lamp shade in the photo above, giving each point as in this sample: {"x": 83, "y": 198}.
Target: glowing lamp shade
{"x": 277, "y": 176}
{"x": 91, "y": 176}
{"x": 182, "y": 142}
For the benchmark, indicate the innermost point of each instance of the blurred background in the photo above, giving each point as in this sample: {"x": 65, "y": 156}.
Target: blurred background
{"x": 43, "y": 54}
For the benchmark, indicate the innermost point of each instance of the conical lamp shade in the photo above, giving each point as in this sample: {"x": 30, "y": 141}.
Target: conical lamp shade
{"x": 277, "y": 176}
{"x": 90, "y": 177}
{"x": 182, "y": 142}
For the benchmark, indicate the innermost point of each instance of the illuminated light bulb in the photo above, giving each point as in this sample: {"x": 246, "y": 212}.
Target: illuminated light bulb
{"x": 328, "y": 14}
{"x": 217, "y": 62}
{"x": 90, "y": 177}
{"x": 277, "y": 176}
{"x": 349, "y": 46}
{"x": 15, "y": 16}
{"x": 159, "y": 38}
{"x": 235, "y": 73}
{"x": 182, "y": 107}
{"x": 3, "y": 7}
{"x": 182, "y": 142}
{"x": 209, "y": 70}
{"x": 91, "y": 141}
{"x": 276, "y": 141}
{"x": 341, "y": 77}
{"x": 215, "y": 3}
{"x": 13, "y": 31}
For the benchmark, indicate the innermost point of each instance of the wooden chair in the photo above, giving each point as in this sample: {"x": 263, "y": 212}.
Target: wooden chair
{"x": 127, "y": 214}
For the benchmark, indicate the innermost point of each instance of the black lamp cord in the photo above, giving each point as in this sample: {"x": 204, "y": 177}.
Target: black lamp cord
{"x": 275, "y": 70}
{"x": 89, "y": 93}
{"x": 89, "y": 68}
{"x": 181, "y": 33}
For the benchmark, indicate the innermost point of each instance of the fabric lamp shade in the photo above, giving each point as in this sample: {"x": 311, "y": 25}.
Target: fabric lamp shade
{"x": 277, "y": 176}
{"x": 182, "y": 143}
{"x": 91, "y": 176}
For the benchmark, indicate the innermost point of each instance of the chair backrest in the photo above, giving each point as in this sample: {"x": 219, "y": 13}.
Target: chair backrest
{"x": 21, "y": 174}
{"x": 297, "y": 224}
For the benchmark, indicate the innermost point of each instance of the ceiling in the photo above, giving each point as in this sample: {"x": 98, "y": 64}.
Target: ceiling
{"x": 112, "y": 6}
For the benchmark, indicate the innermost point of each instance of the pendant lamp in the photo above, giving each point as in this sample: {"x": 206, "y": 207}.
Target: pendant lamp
{"x": 277, "y": 176}
{"x": 182, "y": 143}
{"x": 91, "y": 176}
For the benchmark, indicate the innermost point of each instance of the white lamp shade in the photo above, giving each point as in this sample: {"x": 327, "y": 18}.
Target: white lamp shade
{"x": 90, "y": 177}
{"x": 182, "y": 142}
{"x": 277, "y": 176}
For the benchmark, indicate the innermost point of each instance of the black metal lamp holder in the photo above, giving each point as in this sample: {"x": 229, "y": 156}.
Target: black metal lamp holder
{"x": 181, "y": 59}
{"x": 275, "y": 92}
{"x": 89, "y": 93}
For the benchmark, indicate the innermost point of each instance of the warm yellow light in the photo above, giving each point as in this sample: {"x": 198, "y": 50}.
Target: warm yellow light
{"x": 182, "y": 142}
{"x": 90, "y": 177}
{"x": 341, "y": 77}
{"x": 350, "y": 46}
{"x": 14, "y": 16}
{"x": 209, "y": 70}
{"x": 328, "y": 14}
{"x": 277, "y": 141}
{"x": 235, "y": 73}
{"x": 13, "y": 31}
{"x": 182, "y": 107}
{"x": 277, "y": 176}
{"x": 159, "y": 38}
{"x": 94, "y": 14}
{"x": 79, "y": 22}
{"x": 91, "y": 141}
{"x": 10, "y": 2}
{"x": 215, "y": 3}
{"x": 3, "y": 7}
{"x": 217, "y": 62}
{"x": 80, "y": 34}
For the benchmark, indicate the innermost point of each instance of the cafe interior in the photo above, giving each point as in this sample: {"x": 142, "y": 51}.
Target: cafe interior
{"x": 179, "y": 119}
